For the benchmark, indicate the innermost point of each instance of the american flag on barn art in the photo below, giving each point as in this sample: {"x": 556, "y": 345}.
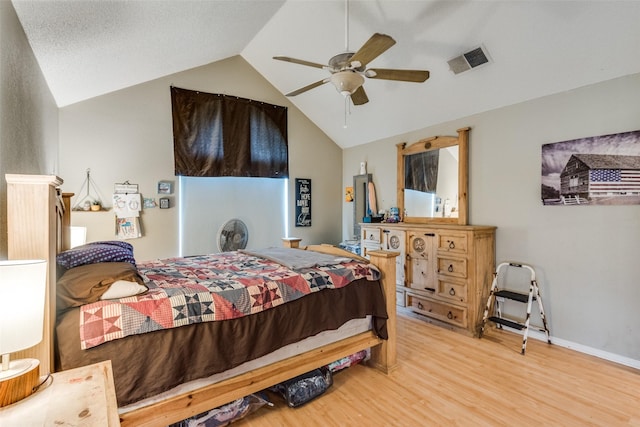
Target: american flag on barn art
{"x": 601, "y": 175}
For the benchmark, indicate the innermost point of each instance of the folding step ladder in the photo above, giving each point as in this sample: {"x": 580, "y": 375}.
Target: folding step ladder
{"x": 496, "y": 301}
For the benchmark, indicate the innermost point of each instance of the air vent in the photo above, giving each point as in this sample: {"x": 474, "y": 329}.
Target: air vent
{"x": 472, "y": 59}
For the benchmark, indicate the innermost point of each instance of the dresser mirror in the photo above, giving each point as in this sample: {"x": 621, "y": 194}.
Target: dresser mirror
{"x": 433, "y": 179}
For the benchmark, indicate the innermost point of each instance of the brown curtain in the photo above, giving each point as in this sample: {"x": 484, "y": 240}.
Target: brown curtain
{"x": 421, "y": 171}
{"x": 220, "y": 135}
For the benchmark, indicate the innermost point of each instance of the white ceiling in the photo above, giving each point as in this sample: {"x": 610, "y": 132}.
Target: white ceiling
{"x": 89, "y": 48}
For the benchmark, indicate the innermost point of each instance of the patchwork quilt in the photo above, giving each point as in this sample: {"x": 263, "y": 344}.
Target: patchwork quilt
{"x": 223, "y": 286}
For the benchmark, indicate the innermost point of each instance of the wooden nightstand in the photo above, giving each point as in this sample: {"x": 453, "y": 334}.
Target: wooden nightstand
{"x": 83, "y": 396}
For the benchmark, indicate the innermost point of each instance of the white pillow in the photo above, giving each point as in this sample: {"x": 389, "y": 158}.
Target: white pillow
{"x": 123, "y": 289}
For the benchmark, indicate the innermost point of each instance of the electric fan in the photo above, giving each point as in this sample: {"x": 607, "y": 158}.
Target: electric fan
{"x": 233, "y": 235}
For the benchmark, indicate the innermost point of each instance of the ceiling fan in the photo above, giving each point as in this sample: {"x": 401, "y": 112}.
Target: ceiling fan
{"x": 349, "y": 69}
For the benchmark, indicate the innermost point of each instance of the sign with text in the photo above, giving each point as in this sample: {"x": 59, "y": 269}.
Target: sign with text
{"x": 303, "y": 202}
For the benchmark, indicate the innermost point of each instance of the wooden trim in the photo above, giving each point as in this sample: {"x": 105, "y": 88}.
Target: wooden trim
{"x": 189, "y": 404}
{"x": 334, "y": 250}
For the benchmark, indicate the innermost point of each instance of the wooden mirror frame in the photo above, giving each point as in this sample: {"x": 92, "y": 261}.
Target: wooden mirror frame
{"x": 433, "y": 143}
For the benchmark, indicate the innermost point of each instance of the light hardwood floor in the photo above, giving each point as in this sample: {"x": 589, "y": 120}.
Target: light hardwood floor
{"x": 447, "y": 378}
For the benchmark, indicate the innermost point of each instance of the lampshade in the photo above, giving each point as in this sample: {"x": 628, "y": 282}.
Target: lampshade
{"x": 22, "y": 294}
{"x": 347, "y": 82}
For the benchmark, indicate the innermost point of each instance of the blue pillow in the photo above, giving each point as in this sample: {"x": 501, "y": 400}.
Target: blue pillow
{"x": 94, "y": 252}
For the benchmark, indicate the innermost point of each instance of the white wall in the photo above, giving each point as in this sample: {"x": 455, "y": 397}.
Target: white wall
{"x": 586, "y": 257}
{"x": 127, "y": 135}
{"x": 28, "y": 112}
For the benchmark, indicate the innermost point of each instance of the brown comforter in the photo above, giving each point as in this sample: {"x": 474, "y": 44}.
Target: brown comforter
{"x": 148, "y": 364}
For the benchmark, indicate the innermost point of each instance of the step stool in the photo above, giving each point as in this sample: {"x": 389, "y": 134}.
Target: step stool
{"x": 497, "y": 296}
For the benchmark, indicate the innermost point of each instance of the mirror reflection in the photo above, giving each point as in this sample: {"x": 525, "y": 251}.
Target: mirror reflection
{"x": 431, "y": 183}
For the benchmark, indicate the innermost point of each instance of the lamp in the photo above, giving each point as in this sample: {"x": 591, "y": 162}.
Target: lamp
{"x": 22, "y": 297}
{"x": 347, "y": 82}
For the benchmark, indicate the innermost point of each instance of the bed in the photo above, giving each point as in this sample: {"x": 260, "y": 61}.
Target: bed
{"x": 268, "y": 347}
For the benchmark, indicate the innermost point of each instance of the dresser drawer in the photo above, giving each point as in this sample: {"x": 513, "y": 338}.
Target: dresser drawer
{"x": 371, "y": 235}
{"x": 438, "y": 310}
{"x": 455, "y": 243}
{"x": 453, "y": 291}
{"x": 452, "y": 267}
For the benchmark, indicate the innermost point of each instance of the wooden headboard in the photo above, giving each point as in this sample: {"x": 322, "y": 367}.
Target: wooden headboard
{"x": 38, "y": 220}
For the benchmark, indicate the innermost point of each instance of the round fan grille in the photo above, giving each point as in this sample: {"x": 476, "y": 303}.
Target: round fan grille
{"x": 233, "y": 235}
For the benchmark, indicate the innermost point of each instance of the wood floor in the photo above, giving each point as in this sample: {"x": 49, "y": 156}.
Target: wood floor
{"x": 446, "y": 378}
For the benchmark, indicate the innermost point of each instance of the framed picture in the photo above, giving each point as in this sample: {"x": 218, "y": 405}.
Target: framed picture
{"x": 303, "y": 202}
{"x": 598, "y": 170}
{"x": 165, "y": 187}
{"x": 164, "y": 203}
{"x": 348, "y": 194}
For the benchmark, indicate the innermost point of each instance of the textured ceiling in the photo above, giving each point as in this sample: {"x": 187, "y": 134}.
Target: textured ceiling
{"x": 537, "y": 48}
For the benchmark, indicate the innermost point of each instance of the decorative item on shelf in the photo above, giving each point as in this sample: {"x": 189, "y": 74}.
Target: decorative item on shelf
{"x": 394, "y": 215}
{"x": 21, "y": 325}
{"x": 92, "y": 196}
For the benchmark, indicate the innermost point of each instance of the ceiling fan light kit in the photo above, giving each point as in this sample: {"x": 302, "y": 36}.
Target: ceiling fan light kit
{"x": 347, "y": 82}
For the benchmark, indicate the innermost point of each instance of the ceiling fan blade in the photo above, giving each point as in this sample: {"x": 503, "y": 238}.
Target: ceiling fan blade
{"x": 299, "y": 61}
{"x": 308, "y": 87}
{"x": 359, "y": 97}
{"x": 374, "y": 47}
{"x": 417, "y": 76}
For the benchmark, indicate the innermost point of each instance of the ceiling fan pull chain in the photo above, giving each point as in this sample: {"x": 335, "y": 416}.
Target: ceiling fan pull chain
{"x": 346, "y": 105}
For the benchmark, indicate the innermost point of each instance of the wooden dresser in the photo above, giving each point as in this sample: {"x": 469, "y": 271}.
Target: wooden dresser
{"x": 444, "y": 271}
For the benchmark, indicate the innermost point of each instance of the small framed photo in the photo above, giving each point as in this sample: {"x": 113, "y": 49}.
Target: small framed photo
{"x": 348, "y": 194}
{"x": 165, "y": 187}
{"x": 164, "y": 203}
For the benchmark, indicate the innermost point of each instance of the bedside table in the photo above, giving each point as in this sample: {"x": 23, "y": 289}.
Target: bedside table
{"x": 83, "y": 396}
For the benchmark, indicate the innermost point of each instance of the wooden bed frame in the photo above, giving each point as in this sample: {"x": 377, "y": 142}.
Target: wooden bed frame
{"x": 38, "y": 220}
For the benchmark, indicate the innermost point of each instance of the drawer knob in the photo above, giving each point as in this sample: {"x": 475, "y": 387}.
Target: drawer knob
{"x": 450, "y": 269}
{"x": 420, "y": 306}
{"x": 452, "y": 292}
{"x": 449, "y": 315}
{"x": 452, "y": 245}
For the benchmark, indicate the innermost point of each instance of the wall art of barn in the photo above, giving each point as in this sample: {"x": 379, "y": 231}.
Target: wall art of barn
{"x": 602, "y": 170}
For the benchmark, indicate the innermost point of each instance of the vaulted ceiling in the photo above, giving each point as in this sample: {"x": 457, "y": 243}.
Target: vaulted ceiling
{"x": 536, "y": 48}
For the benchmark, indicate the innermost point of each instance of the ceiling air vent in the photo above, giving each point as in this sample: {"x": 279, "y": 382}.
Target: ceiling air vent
{"x": 472, "y": 59}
